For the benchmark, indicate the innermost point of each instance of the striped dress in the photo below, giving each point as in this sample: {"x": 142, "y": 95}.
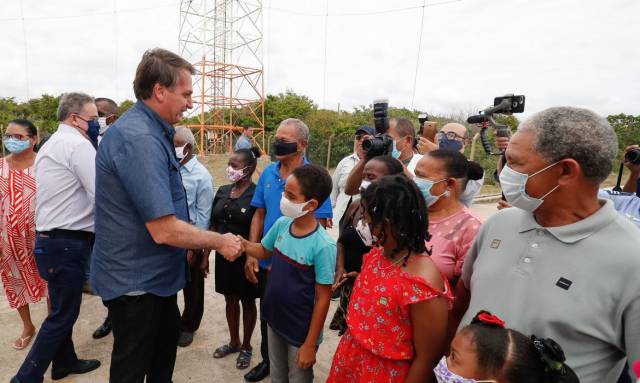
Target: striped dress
{"x": 18, "y": 269}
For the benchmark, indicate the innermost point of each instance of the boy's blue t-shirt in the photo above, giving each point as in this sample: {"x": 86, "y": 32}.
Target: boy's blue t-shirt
{"x": 298, "y": 263}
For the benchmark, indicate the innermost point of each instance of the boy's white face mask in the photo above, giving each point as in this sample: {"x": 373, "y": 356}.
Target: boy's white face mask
{"x": 292, "y": 209}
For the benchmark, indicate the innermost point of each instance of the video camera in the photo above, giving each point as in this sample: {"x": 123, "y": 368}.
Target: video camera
{"x": 381, "y": 143}
{"x": 507, "y": 104}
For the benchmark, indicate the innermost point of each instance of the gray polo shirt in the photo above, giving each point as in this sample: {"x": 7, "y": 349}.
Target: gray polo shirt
{"x": 578, "y": 284}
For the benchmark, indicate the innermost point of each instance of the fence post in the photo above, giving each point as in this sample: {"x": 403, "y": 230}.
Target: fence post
{"x": 329, "y": 151}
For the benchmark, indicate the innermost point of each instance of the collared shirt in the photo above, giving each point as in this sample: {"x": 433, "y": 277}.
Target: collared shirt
{"x": 268, "y": 194}
{"x": 198, "y": 184}
{"x": 137, "y": 180}
{"x": 339, "y": 199}
{"x": 243, "y": 143}
{"x": 627, "y": 204}
{"x": 578, "y": 284}
{"x": 65, "y": 182}
{"x": 411, "y": 166}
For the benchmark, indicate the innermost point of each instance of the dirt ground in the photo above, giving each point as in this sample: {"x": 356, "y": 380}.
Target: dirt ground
{"x": 194, "y": 363}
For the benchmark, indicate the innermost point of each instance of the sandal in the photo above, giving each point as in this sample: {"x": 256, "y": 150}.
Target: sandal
{"x": 22, "y": 342}
{"x": 225, "y": 350}
{"x": 244, "y": 359}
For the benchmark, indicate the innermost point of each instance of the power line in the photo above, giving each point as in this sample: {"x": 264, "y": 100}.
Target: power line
{"x": 368, "y": 13}
{"x": 415, "y": 76}
{"x": 26, "y": 52}
{"x": 324, "y": 75}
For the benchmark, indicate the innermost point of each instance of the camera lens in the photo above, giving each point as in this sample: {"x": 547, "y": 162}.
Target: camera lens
{"x": 633, "y": 156}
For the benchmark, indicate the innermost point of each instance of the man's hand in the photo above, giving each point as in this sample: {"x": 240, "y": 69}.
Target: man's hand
{"x": 425, "y": 146}
{"x": 502, "y": 143}
{"x": 502, "y": 204}
{"x": 251, "y": 269}
{"x": 306, "y": 356}
{"x": 635, "y": 168}
{"x": 337, "y": 281}
{"x": 329, "y": 223}
{"x": 190, "y": 258}
{"x": 231, "y": 247}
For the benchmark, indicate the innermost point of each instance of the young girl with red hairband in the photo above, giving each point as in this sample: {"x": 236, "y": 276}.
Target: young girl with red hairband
{"x": 487, "y": 352}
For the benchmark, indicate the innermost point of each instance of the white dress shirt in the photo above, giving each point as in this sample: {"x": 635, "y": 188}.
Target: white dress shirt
{"x": 65, "y": 173}
{"x": 339, "y": 199}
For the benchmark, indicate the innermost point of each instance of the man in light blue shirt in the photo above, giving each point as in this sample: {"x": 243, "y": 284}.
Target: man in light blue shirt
{"x": 198, "y": 185}
{"x": 626, "y": 204}
{"x": 244, "y": 141}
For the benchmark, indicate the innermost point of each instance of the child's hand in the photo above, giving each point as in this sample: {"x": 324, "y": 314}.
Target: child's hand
{"x": 306, "y": 356}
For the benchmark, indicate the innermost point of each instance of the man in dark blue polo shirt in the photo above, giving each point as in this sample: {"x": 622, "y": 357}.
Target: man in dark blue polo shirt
{"x": 142, "y": 229}
{"x": 291, "y": 140}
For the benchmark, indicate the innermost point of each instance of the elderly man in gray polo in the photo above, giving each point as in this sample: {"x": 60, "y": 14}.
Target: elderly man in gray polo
{"x": 564, "y": 264}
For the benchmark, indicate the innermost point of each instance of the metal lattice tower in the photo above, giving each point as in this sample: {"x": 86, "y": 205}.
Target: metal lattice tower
{"x": 223, "y": 41}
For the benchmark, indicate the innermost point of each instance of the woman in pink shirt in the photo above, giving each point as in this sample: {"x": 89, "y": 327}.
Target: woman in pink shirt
{"x": 442, "y": 176}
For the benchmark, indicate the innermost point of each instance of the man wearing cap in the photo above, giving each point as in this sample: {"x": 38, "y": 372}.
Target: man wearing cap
{"x": 339, "y": 199}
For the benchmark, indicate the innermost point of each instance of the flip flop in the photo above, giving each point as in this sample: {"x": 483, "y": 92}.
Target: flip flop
{"x": 244, "y": 359}
{"x": 225, "y": 350}
{"x": 23, "y": 341}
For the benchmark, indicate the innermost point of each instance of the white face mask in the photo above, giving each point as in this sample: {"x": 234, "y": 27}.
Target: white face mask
{"x": 180, "y": 152}
{"x": 514, "y": 185}
{"x": 292, "y": 209}
{"x": 444, "y": 375}
{"x": 365, "y": 184}
{"x": 364, "y": 231}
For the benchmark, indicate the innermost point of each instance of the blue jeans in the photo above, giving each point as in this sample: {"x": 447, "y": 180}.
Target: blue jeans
{"x": 61, "y": 259}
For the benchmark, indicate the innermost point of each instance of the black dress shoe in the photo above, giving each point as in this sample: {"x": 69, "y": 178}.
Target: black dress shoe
{"x": 103, "y": 330}
{"x": 82, "y": 366}
{"x": 258, "y": 373}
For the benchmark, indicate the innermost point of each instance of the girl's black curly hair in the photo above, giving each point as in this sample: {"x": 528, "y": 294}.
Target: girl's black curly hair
{"x": 397, "y": 199}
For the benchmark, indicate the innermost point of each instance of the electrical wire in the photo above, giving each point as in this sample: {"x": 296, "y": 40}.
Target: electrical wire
{"x": 415, "y": 76}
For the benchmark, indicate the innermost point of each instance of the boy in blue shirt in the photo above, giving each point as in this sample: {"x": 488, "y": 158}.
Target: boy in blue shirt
{"x": 303, "y": 256}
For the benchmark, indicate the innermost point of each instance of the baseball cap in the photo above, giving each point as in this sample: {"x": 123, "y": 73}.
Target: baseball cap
{"x": 366, "y": 130}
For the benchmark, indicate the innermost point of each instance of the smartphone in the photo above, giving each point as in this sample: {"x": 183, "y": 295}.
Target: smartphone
{"x": 429, "y": 130}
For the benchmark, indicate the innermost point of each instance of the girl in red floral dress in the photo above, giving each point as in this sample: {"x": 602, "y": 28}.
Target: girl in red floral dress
{"x": 18, "y": 270}
{"x": 397, "y": 317}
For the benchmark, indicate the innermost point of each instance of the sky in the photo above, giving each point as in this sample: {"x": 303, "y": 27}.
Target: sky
{"x": 556, "y": 52}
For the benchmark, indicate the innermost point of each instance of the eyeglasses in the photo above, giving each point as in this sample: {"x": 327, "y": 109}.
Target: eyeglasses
{"x": 17, "y": 136}
{"x": 450, "y": 135}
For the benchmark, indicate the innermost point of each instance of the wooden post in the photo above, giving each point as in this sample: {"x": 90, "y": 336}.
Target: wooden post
{"x": 329, "y": 151}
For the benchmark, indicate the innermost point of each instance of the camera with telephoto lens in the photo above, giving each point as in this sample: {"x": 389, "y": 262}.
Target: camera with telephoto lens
{"x": 633, "y": 156}
{"x": 381, "y": 143}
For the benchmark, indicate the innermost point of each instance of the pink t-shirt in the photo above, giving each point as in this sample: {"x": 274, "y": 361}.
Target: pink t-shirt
{"x": 451, "y": 238}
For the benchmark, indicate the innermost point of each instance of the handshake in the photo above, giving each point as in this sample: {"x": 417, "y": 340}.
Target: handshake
{"x": 232, "y": 246}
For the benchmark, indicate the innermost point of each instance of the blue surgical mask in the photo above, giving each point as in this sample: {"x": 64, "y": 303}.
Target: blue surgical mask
{"x": 395, "y": 153}
{"x": 93, "y": 131}
{"x": 425, "y": 186}
{"x": 16, "y": 146}
{"x": 450, "y": 145}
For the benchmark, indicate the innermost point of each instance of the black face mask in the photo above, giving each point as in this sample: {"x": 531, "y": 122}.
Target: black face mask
{"x": 283, "y": 148}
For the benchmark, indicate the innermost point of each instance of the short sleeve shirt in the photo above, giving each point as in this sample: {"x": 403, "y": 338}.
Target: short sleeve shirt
{"x": 451, "y": 238}
{"x": 299, "y": 263}
{"x": 578, "y": 284}
{"x": 268, "y": 194}
{"x": 137, "y": 180}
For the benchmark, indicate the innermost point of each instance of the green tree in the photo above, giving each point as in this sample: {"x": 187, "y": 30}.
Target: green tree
{"x": 286, "y": 105}
{"x": 124, "y": 106}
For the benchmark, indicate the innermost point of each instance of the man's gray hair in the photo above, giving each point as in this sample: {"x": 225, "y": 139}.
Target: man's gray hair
{"x": 580, "y": 134}
{"x": 72, "y": 103}
{"x": 186, "y": 135}
{"x": 303, "y": 129}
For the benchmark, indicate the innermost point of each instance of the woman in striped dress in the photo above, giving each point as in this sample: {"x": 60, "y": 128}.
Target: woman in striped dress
{"x": 18, "y": 270}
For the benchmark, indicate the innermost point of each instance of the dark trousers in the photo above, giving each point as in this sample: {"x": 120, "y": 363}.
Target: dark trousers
{"x": 145, "y": 338}
{"x": 193, "y": 296}
{"x": 263, "y": 275}
{"x": 61, "y": 259}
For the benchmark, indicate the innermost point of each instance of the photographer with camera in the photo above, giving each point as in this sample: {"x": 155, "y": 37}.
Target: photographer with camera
{"x": 398, "y": 142}
{"x": 632, "y": 162}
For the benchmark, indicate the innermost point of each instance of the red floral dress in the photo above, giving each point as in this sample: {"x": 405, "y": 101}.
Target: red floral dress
{"x": 378, "y": 344}
{"x": 18, "y": 270}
